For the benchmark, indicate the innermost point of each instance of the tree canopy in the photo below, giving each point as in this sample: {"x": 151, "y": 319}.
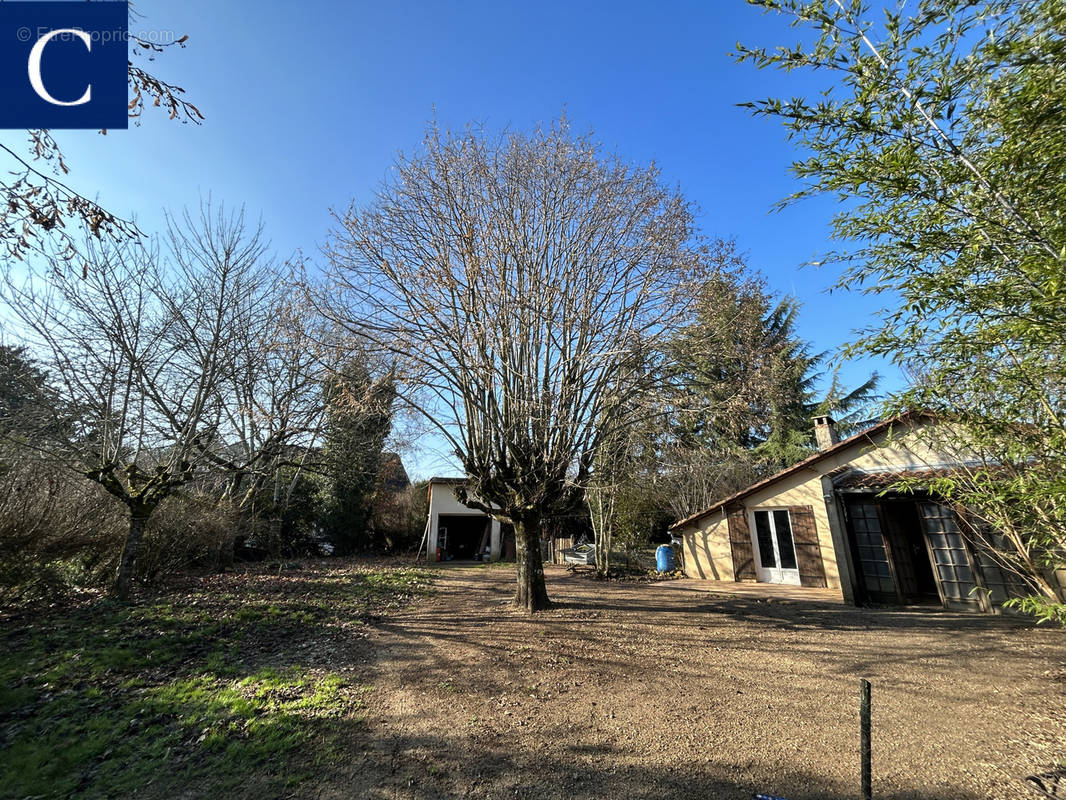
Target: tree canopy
{"x": 523, "y": 280}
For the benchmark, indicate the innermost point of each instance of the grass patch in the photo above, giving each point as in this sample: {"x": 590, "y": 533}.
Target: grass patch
{"x": 251, "y": 683}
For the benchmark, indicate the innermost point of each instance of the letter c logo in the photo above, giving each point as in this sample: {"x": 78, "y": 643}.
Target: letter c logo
{"x": 35, "y": 67}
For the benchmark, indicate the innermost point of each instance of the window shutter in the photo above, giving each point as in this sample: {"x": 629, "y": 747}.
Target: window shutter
{"x": 808, "y": 551}
{"x": 740, "y": 546}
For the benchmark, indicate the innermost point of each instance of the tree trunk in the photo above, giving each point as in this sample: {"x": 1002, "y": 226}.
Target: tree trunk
{"x": 124, "y": 578}
{"x": 225, "y": 553}
{"x": 274, "y": 537}
{"x": 531, "y": 593}
{"x": 600, "y": 503}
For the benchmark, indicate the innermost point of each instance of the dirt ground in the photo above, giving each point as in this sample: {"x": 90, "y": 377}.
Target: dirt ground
{"x": 668, "y": 690}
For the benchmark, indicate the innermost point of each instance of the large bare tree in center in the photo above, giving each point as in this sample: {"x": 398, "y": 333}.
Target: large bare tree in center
{"x": 524, "y": 283}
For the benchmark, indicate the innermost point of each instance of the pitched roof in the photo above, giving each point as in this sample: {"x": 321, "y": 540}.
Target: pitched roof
{"x": 392, "y": 475}
{"x": 844, "y": 444}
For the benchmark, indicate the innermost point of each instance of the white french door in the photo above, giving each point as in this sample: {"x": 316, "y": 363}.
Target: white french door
{"x": 775, "y": 552}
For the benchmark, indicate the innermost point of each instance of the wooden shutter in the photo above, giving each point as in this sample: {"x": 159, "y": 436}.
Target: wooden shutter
{"x": 808, "y": 551}
{"x": 740, "y": 546}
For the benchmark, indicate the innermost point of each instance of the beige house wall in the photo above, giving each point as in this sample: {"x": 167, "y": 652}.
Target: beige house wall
{"x": 802, "y": 489}
{"x": 906, "y": 448}
{"x": 706, "y": 549}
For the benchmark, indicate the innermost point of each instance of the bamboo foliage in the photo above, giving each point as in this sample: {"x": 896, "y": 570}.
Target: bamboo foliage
{"x": 943, "y": 133}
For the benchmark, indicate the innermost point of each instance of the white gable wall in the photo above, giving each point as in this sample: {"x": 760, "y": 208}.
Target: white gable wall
{"x": 443, "y": 502}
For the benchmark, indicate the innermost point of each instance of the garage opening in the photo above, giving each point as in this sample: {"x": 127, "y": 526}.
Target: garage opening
{"x": 462, "y": 536}
{"x": 911, "y": 550}
{"x": 893, "y": 545}
{"x": 910, "y": 554}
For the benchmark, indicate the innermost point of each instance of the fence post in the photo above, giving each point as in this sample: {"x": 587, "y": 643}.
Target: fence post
{"x": 864, "y": 729}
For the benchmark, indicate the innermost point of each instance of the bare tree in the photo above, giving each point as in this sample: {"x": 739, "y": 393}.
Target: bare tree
{"x": 138, "y": 351}
{"x": 695, "y": 478}
{"x": 268, "y": 409}
{"x": 273, "y": 407}
{"x": 601, "y": 496}
{"x": 522, "y": 281}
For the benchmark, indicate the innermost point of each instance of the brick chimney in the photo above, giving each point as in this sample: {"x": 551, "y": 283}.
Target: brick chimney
{"x": 825, "y": 432}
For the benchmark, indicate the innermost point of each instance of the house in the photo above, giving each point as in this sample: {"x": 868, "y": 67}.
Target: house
{"x": 392, "y": 476}
{"x": 829, "y": 522}
{"x": 456, "y": 531}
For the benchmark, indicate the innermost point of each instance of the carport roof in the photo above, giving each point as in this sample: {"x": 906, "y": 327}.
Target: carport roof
{"x": 857, "y": 480}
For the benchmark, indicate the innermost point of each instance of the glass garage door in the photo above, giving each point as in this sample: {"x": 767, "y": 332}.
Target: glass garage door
{"x": 870, "y": 548}
{"x": 951, "y": 559}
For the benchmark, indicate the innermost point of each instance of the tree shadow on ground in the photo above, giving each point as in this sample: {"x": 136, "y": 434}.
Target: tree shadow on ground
{"x": 288, "y": 643}
{"x": 832, "y": 637}
{"x": 390, "y": 765}
{"x": 629, "y": 637}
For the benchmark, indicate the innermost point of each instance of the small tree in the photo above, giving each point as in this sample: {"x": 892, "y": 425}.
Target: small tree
{"x": 623, "y": 494}
{"x": 521, "y": 280}
{"x": 626, "y": 514}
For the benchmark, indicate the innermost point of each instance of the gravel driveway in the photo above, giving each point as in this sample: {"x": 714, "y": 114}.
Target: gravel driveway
{"x": 668, "y": 690}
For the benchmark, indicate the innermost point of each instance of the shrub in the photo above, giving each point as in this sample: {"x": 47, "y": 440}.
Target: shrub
{"x": 57, "y": 531}
{"x": 190, "y": 530}
{"x": 399, "y": 517}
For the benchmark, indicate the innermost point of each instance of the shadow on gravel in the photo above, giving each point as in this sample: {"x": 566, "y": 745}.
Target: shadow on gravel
{"x": 445, "y": 766}
{"x": 794, "y": 614}
{"x": 459, "y": 664}
{"x": 824, "y": 616}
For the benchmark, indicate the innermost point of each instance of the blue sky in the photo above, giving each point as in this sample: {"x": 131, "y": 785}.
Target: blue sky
{"x": 307, "y": 103}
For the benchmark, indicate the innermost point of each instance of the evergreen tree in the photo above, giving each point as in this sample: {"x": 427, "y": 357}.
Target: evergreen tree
{"x": 746, "y": 382}
{"x": 359, "y": 419}
{"x": 22, "y": 387}
{"x": 741, "y": 388}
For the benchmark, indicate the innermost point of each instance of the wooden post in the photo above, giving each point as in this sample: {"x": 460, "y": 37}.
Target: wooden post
{"x": 864, "y": 729}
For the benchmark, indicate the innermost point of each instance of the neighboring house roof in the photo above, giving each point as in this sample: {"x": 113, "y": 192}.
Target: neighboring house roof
{"x": 844, "y": 444}
{"x": 449, "y": 481}
{"x": 392, "y": 476}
